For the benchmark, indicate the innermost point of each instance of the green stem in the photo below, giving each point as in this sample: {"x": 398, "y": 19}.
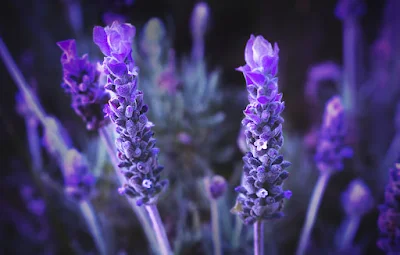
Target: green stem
{"x": 259, "y": 237}
{"x": 140, "y": 213}
{"x": 159, "y": 230}
{"x": 93, "y": 225}
{"x": 215, "y": 227}
{"x": 312, "y": 211}
{"x": 349, "y": 230}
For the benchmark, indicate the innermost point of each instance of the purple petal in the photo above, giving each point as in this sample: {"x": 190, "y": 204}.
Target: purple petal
{"x": 248, "y": 52}
{"x": 100, "y": 39}
{"x": 118, "y": 69}
{"x": 255, "y": 78}
{"x": 68, "y": 47}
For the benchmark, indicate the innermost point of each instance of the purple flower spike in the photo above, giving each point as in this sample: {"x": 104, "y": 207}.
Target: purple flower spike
{"x": 264, "y": 169}
{"x": 331, "y": 149}
{"x": 357, "y": 200}
{"x": 135, "y": 143}
{"x": 81, "y": 81}
{"x": 389, "y": 218}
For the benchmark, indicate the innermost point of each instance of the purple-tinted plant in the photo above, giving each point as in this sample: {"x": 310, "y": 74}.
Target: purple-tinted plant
{"x": 349, "y": 11}
{"x": 357, "y": 200}
{"x": 81, "y": 81}
{"x": 329, "y": 156}
{"x": 76, "y": 176}
{"x": 389, "y": 217}
{"x": 215, "y": 187}
{"x": 198, "y": 25}
{"x": 32, "y": 133}
{"x": 135, "y": 143}
{"x": 184, "y": 99}
{"x": 74, "y": 14}
{"x": 264, "y": 169}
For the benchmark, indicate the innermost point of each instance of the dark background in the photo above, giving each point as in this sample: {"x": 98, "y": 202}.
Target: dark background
{"x": 307, "y": 32}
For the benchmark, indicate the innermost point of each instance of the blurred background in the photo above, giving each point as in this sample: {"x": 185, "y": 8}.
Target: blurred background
{"x": 310, "y": 36}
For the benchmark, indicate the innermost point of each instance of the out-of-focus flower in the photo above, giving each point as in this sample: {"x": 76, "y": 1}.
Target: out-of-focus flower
{"x": 168, "y": 79}
{"x": 78, "y": 180}
{"x": 389, "y": 217}
{"x": 198, "y": 25}
{"x": 331, "y": 149}
{"x": 264, "y": 169}
{"x": 135, "y": 143}
{"x": 81, "y": 81}
{"x": 357, "y": 200}
{"x": 327, "y": 71}
{"x": 216, "y": 186}
{"x": 350, "y": 8}
{"x": 110, "y": 17}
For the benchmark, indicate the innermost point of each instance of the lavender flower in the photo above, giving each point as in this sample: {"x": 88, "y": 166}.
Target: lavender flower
{"x": 81, "y": 81}
{"x": 216, "y": 186}
{"x": 331, "y": 149}
{"x": 135, "y": 144}
{"x": 78, "y": 180}
{"x": 389, "y": 218}
{"x": 357, "y": 199}
{"x": 264, "y": 169}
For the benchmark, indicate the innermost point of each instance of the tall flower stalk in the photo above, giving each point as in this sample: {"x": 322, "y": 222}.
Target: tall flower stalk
{"x": 264, "y": 167}
{"x": 349, "y": 11}
{"x": 81, "y": 80}
{"x": 32, "y": 133}
{"x": 357, "y": 200}
{"x": 389, "y": 217}
{"x": 215, "y": 187}
{"x": 135, "y": 143}
{"x": 329, "y": 159}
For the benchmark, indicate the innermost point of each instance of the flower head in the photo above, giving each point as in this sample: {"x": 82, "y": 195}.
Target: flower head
{"x": 216, "y": 186}
{"x": 81, "y": 81}
{"x": 115, "y": 40}
{"x": 389, "y": 217}
{"x": 331, "y": 149}
{"x": 357, "y": 199}
{"x": 264, "y": 168}
{"x": 135, "y": 143}
{"x": 261, "y": 59}
{"x": 77, "y": 178}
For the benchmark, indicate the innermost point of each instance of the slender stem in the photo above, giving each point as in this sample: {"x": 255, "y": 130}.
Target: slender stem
{"x": 29, "y": 97}
{"x": 140, "y": 213}
{"x": 236, "y": 232}
{"x": 101, "y": 156}
{"x": 21, "y": 83}
{"x": 312, "y": 211}
{"x": 93, "y": 225}
{"x": 349, "y": 231}
{"x": 350, "y": 63}
{"x": 159, "y": 230}
{"x": 259, "y": 238}
{"x": 31, "y": 124}
{"x": 215, "y": 227}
